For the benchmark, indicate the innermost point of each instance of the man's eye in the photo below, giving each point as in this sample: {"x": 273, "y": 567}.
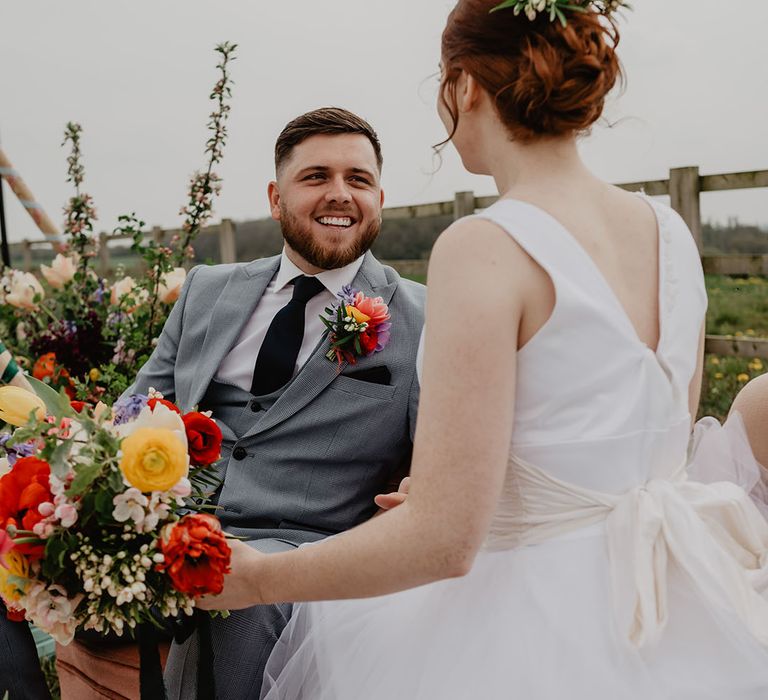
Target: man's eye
{"x": 314, "y": 176}
{"x": 358, "y": 178}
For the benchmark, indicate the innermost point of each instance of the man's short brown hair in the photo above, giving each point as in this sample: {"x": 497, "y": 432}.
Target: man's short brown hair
{"x": 327, "y": 120}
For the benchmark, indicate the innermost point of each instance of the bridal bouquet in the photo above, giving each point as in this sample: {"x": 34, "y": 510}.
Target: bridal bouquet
{"x": 97, "y": 528}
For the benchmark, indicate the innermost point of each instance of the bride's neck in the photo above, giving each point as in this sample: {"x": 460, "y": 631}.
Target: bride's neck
{"x": 547, "y": 164}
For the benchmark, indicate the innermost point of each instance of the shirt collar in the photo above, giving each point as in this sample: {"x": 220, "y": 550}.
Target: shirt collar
{"x": 333, "y": 280}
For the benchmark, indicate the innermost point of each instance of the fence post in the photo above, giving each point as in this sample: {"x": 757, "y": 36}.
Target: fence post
{"x": 26, "y": 256}
{"x": 103, "y": 254}
{"x": 463, "y": 204}
{"x": 158, "y": 235}
{"x": 227, "y": 248}
{"x": 684, "y": 189}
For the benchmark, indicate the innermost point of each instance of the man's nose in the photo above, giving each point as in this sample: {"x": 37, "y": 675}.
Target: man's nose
{"x": 338, "y": 191}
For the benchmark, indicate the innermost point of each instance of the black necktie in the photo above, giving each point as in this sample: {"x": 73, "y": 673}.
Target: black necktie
{"x": 277, "y": 357}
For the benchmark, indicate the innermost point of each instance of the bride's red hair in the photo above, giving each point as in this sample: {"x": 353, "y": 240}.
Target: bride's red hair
{"x": 545, "y": 79}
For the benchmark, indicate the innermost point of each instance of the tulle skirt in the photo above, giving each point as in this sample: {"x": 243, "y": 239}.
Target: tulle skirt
{"x": 530, "y": 623}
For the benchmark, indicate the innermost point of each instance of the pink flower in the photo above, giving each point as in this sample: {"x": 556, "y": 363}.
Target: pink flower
{"x": 66, "y": 514}
{"x": 24, "y": 288}
{"x": 182, "y": 489}
{"x": 61, "y": 270}
{"x": 170, "y": 285}
{"x": 373, "y": 307}
{"x": 51, "y": 610}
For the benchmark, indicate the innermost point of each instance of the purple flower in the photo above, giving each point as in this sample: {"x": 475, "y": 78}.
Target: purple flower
{"x": 128, "y": 408}
{"x": 347, "y": 295}
{"x": 383, "y": 331}
{"x": 98, "y": 295}
{"x": 16, "y": 452}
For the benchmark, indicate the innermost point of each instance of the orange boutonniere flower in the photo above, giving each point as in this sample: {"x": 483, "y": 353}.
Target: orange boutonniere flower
{"x": 359, "y": 326}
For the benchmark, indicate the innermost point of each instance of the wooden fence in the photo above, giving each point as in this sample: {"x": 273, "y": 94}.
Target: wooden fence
{"x": 684, "y": 187}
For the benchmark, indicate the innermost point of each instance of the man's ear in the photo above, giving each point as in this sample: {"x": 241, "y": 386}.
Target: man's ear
{"x": 273, "y": 192}
{"x": 381, "y": 198}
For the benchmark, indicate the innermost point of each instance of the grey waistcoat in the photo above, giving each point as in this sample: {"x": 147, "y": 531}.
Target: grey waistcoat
{"x": 309, "y": 463}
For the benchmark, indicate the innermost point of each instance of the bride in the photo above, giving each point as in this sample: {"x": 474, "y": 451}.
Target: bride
{"x": 550, "y": 545}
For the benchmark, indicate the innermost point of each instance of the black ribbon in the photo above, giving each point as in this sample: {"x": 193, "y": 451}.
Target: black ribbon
{"x": 206, "y": 684}
{"x": 183, "y": 628}
{"x": 151, "y": 684}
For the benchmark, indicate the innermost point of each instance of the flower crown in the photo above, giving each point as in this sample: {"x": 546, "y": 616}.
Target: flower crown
{"x": 558, "y": 8}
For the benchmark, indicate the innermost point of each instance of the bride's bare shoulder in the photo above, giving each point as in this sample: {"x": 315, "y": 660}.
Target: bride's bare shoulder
{"x": 478, "y": 241}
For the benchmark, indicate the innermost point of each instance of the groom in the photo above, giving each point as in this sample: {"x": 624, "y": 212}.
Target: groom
{"x": 308, "y": 443}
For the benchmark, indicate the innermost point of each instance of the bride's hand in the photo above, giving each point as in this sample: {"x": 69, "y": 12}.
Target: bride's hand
{"x": 239, "y": 584}
{"x": 387, "y": 501}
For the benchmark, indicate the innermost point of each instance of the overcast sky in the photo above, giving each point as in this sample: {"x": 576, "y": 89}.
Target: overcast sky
{"x": 136, "y": 75}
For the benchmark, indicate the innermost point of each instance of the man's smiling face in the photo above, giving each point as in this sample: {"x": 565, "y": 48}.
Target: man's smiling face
{"x": 328, "y": 200}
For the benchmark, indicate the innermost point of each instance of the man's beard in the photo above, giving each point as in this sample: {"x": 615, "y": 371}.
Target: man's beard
{"x": 326, "y": 258}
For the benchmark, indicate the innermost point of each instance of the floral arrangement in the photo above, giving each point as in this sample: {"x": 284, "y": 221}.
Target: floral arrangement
{"x": 79, "y": 332}
{"x": 556, "y": 9}
{"x": 358, "y": 325}
{"x": 97, "y": 529}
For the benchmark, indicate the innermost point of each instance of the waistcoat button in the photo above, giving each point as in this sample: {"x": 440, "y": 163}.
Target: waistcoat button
{"x": 239, "y": 453}
{"x": 255, "y": 406}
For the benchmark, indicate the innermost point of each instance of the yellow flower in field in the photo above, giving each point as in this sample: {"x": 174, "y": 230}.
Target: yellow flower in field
{"x": 18, "y": 568}
{"x": 714, "y": 360}
{"x": 750, "y": 331}
{"x": 718, "y": 375}
{"x": 756, "y": 365}
{"x": 738, "y": 334}
{"x": 94, "y": 375}
{"x": 743, "y": 377}
{"x": 154, "y": 459}
{"x": 16, "y": 404}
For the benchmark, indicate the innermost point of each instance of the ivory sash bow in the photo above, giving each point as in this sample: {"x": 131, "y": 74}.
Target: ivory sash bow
{"x": 713, "y": 532}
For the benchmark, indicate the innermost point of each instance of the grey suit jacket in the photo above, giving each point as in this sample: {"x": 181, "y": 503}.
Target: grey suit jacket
{"x": 330, "y": 443}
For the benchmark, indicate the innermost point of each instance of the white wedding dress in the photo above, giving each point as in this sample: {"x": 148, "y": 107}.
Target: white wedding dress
{"x": 607, "y": 574}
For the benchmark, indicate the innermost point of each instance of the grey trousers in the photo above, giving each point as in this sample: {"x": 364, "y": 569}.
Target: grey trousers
{"x": 242, "y": 644}
{"x": 20, "y": 673}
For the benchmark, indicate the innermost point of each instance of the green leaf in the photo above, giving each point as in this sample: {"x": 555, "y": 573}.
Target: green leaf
{"x": 342, "y": 341}
{"x": 56, "y": 404}
{"x": 115, "y": 480}
{"x": 505, "y": 4}
{"x": 104, "y": 504}
{"x": 84, "y": 477}
{"x": 58, "y": 459}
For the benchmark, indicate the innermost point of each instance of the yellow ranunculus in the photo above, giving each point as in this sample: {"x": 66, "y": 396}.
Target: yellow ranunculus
{"x": 154, "y": 459}
{"x": 743, "y": 377}
{"x": 16, "y": 404}
{"x": 18, "y": 567}
{"x": 359, "y": 316}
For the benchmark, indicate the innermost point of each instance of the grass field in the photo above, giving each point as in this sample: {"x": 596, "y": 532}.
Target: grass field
{"x": 737, "y": 306}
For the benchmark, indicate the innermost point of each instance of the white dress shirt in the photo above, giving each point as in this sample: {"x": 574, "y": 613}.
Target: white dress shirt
{"x": 237, "y": 366}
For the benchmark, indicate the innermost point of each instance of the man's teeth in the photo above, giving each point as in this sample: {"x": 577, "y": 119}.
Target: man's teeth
{"x": 335, "y": 220}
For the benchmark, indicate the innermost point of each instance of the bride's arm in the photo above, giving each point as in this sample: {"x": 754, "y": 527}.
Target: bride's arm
{"x": 461, "y": 449}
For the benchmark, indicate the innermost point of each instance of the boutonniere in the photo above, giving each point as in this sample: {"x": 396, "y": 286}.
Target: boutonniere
{"x": 358, "y": 325}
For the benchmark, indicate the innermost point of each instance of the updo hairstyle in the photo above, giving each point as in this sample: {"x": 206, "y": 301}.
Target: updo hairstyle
{"x": 545, "y": 79}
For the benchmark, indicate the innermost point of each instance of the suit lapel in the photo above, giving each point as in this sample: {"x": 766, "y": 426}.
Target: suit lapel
{"x": 319, "y": 371}
{"x": 232, "y": 310}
